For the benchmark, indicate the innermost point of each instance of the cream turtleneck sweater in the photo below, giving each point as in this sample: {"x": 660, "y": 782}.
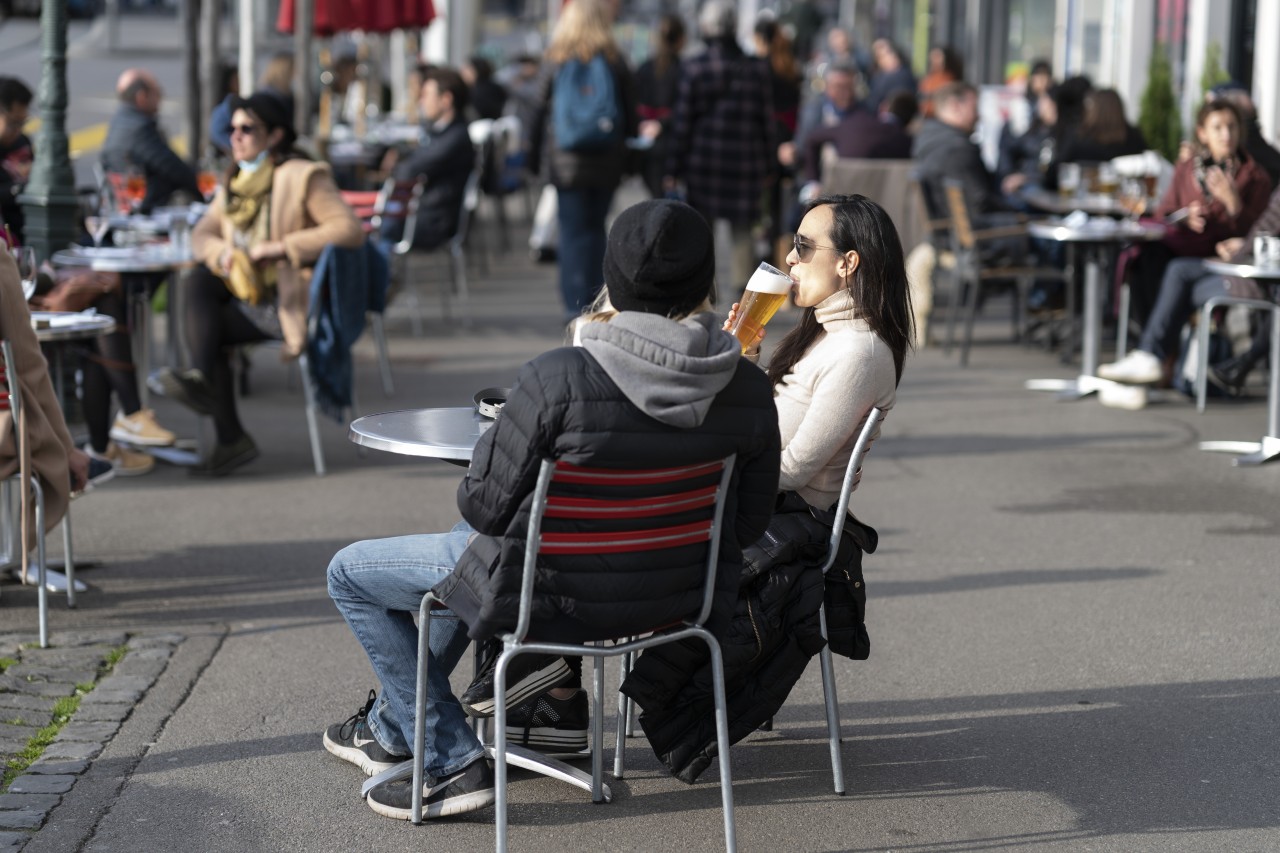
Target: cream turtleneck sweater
{"x": 824, "y": 401}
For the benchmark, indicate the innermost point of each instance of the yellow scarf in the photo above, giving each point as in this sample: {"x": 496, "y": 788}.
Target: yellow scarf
{"x": 249, "y": 212}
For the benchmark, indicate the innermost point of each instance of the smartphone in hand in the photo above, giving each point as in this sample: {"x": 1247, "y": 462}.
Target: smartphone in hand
{"x": 1177, "y": 216}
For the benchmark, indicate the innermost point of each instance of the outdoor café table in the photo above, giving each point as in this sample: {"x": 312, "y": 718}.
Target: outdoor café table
{"x": 133, "y": 263}
{"x": 1094, "y": 204}
{"x": 60, "y": 327}
{"x": 1256, "y": 452}
{"x": 449, "y": 434}
{"x": 1095, "y": 239}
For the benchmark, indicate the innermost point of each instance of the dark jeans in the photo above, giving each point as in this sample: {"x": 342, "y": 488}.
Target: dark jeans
{"x": 582, "y": 240}
{"x": 1184, "y": 288}
{"x": 213, "y": 322}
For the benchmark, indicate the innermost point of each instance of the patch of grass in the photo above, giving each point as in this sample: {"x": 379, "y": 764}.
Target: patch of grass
{"x": 83, "y": 687}
{"x": 114, "y": 657}
{"x": 62, "y": 711}
{"x": 14, "y": 721}
{"x": 5, "y": 663}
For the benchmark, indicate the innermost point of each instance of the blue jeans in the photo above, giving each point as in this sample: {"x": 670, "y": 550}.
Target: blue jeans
{"x": 1185, "y": 287}
{"x": 378, "y": 585}
{"x": 581, "y": 215}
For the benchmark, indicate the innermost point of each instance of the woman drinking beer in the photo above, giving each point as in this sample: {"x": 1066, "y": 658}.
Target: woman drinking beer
{"x": 846, "y": 355}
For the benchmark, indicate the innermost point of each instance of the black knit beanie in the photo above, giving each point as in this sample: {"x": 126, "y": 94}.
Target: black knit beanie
{"x": 660, "y": 259}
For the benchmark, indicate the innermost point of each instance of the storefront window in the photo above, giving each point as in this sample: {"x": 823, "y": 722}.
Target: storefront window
{"x": 1031, "y": 27}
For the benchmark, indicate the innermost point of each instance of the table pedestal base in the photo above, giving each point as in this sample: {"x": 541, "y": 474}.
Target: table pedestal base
{"x": 517, "y": 756}
{"x": 1070, "y": 389}
{"x": 1253, "y": 452}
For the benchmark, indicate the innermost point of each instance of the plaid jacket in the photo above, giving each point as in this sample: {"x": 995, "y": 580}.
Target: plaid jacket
{"x": 722, "y": 143}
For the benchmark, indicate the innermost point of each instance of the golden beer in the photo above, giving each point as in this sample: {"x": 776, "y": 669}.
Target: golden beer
{"x": 766, "y": 291}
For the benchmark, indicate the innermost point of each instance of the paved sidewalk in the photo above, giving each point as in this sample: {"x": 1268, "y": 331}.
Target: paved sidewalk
{"x": 1072, "y": 611}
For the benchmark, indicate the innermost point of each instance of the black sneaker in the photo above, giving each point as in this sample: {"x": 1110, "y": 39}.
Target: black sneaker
{"x": 550, "y": 725}
{"x": 225, "y": 458}
{"x": 100, "y": 471}
{"x": 190, "y": 388}
{"x": 352, "y": 742}
{"x": 527, "y": 676}
{"x": 469, "y": 789}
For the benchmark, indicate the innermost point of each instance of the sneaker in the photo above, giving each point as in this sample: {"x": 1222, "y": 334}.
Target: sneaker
{"x": 1136, "y": 368}
{"x": 469, "y": 789}
{"x": 141, "y": 428}
{"x": 550, "y": 725}
{"x": 1131, "y": 398}
{"x": 527, "y": 676}
{"x": 1230, "y": 375}
{"x": 125, "y": 462}
{"x": 351, "y": 741}
{"x": 190, "y": 388}
{"x": 225, "y": 458}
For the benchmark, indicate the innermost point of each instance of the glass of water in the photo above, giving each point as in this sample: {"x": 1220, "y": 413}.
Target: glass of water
{"x": 25, "y": 257}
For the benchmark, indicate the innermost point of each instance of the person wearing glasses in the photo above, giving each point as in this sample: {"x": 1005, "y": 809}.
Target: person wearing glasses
{"x": 273, "y": 215}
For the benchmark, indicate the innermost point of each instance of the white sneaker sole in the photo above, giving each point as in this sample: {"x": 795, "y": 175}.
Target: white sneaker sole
{"x": 548, "y": 739}
{"x": 357, "y": 757}
{"x": 125, "y": 437}
{"x": 522, "y": 691}
{"x": 452, "y": 806}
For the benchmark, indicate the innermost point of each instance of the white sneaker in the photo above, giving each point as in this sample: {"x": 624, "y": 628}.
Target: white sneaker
{"x": 1128, "y": 397}
{"x": 141, "y": 428}
{"x": 1136, "y": 368}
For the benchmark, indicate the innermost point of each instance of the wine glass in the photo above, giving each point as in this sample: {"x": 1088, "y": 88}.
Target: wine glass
{"x": 207, "y": 181}
{"x": 1133, "y": 198}
{"x": 100, "y": 223}
{"x": 25, "y": 257}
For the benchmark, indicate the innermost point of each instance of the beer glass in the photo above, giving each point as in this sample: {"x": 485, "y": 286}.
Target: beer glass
{"x": 1068, "y": 179}
{"x": 766, "y": 291}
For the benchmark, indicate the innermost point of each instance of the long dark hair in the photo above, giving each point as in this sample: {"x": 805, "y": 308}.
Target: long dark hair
{"x": 879, "y": 285}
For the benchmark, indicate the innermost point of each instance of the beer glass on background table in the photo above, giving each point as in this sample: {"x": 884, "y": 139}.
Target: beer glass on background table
{"x": 1068, "y": 179}
{"x": 766, "y": 290}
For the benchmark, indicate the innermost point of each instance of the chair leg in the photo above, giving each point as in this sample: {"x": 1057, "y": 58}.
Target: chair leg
{"x": 597, "y": 733}
{"x": 975, "y": 291}
{"x": 1202, "y": 356}
{"x": 68, "y": 559}
{"x": 313, "y": 426}
{"x": 959, "y": 279}
{"x": 722, "y": 740}
{"x": 420, "y": 707}
{"x": 624, "y": 719}
{"x": 1122, "y": 322}
{"x": 833, "y": 710}
{"x": 500, "y": 748}
{"x": 379, "y": 329}
{"x": 460, "y": 290}
{"x": 42, "y": 592}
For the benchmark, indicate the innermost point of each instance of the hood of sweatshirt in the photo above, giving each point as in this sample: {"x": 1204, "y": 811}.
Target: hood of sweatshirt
{"x": 670, "y": 370}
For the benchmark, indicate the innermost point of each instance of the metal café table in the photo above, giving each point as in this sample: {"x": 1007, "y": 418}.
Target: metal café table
{"x": 59, "y": 327}
{"x": 449, "y": 434}
{"x": 1256, "y": 452}
{"x": 1095, "y": 240}
{"x": 132, "y": 262}
{"x": 1094, "y": 204}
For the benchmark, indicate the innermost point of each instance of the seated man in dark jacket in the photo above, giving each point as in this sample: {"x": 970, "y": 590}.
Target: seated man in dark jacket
{"x": 657, "y": 385}
{"x": 134, "y": 141}
{"x": 445, "y": 158}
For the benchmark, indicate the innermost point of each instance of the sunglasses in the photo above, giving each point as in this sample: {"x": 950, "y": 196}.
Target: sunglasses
{"x": 244, "y": 129}
{"x": 805, "y": 249}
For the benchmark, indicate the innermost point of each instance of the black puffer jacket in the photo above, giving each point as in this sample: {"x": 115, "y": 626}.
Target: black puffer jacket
{"x": 774, "y": 632}
{"x": 567, "y": 405}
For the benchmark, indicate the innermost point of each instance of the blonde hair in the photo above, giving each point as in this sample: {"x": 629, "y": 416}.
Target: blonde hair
{"x": 601, "y": 310}
{"x": 582, "y": 31}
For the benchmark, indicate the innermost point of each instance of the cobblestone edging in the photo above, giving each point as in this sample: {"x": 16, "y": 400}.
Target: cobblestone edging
{"x": 30, "y": 687}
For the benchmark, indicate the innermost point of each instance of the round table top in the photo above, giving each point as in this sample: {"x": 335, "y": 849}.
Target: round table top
{"x": 450, "y": 433}
{"x": 156, "y": 257}
{"x": 1094, "y": 204}
{"x": 1249, "y": 270}
{"x": 1097, "y": 231}
{"x": 51, "y": 326}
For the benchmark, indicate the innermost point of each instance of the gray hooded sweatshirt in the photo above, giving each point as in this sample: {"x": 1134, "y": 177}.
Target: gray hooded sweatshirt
{"x": 669, "y": 370}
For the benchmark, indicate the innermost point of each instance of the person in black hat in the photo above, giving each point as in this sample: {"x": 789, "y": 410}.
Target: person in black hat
{"x": 658, "y": 385}
{"x": 273, "y": 215}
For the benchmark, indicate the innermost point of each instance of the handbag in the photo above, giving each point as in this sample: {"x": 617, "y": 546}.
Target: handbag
{"x": 76, "y": 290}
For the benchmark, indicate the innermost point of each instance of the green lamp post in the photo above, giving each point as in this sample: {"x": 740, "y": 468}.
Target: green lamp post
{"x": 49, "y": 201}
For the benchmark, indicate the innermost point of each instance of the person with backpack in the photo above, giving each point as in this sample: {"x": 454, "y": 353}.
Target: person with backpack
{"x": 586, "y": 116}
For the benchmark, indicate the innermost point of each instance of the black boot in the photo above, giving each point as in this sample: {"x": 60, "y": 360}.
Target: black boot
{"x": 1230, "y": 375}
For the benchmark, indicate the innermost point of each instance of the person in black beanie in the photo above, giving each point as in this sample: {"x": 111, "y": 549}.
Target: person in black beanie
{"x": 658, "y": 385}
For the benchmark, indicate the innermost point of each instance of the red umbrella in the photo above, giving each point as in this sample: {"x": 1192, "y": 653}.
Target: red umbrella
{"x": 331, "y": 16}
{"x": 383, "y": 16}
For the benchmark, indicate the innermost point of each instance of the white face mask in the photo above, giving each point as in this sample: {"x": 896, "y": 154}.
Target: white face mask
{"x": 251, "y": 166}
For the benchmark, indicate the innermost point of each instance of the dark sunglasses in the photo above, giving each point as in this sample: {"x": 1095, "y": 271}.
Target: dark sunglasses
{"x": 245, "y": 129}
{"x": 805, "y": 249}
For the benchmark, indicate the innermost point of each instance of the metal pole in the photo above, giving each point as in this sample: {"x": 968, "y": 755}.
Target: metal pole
{"x": 303, "y": 21}
{"x": 211, "y": 62}
{"x": 248, "y": 48}
{"x": 191, "y": 61}
{"x": 49, "y": 201}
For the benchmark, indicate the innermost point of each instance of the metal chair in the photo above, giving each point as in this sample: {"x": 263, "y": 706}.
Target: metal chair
{"x": 1202, "y": 331}
{"x": 600, "y": 508}
{"x": 851, "y": 477}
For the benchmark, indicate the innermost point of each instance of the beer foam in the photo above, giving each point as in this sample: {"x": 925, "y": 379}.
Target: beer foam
{"x": 763, "y": 281}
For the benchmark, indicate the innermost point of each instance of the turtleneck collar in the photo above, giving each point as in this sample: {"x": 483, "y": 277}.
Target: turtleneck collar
{"x": 837, "y": 312}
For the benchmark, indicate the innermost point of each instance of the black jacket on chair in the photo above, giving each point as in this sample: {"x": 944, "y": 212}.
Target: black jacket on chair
{"x": 566, "y": 405}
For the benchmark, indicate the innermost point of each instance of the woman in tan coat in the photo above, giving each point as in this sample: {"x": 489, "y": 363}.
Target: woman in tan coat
{"x": 273, "y": 216}
{"x": 51, "y": 454}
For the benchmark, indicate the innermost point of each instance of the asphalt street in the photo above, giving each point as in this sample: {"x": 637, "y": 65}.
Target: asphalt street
{"x": 1073, "y": 615}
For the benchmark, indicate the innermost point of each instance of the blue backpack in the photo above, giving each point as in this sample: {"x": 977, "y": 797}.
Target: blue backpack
{"x": 584, "y": 106}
